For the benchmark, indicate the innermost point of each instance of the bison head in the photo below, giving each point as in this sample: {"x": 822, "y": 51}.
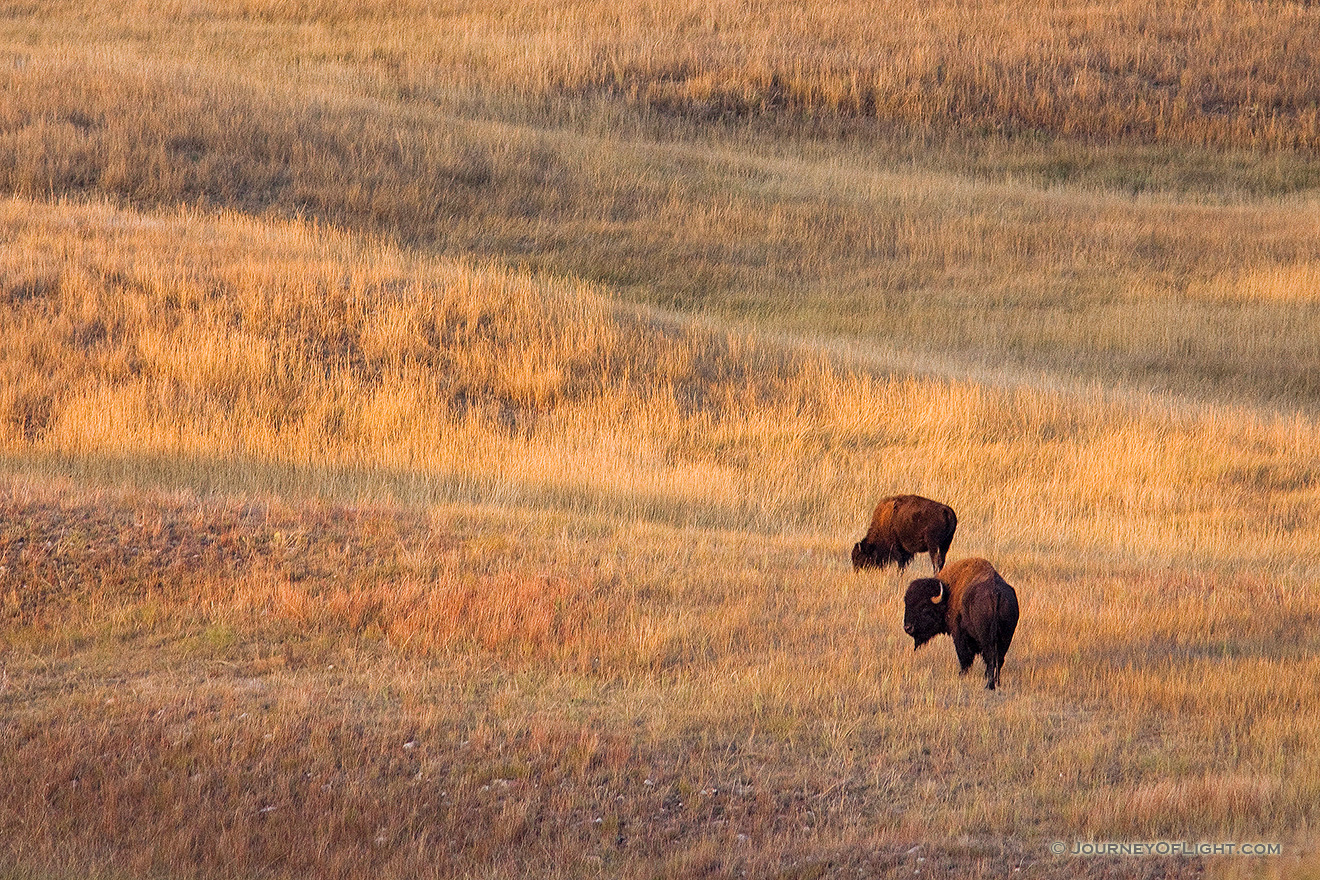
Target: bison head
{"x": 870, "y": 554}
{"x": 926, "y": 600}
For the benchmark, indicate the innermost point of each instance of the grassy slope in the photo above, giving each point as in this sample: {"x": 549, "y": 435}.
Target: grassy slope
{"x": 864, "y": 236}
{"x": 630, "y": 569}
{"x": 406, "y": 565}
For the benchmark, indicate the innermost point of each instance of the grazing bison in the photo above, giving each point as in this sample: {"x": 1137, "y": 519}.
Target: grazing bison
{"x": 901, "y": 527}
{"x": 972, "y": 603}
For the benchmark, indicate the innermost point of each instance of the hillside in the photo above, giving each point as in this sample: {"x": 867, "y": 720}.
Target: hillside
{"x": 431, "y": 438}
{"x": 1173, "y": 247}
{"x": 606, "y": 548}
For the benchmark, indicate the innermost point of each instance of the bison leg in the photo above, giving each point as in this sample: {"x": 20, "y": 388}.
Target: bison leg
{"x": 1003, "y": 640}
{"x": 1006, "y": 630}
{"x": 943, "y": 554}
{"x": 967, "y": 651}
{"x": 994, "y": 661}
{"x": 938, "y": 545}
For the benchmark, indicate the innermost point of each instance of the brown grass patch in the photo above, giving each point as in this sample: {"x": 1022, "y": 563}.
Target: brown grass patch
{"x": 324, "y": 696}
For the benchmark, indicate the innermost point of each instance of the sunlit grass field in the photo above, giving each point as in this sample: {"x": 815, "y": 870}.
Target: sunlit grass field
{"x": 431, "y": 438}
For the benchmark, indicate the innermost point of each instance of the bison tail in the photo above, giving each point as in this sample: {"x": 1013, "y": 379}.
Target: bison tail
{"x": 992, "y": 653}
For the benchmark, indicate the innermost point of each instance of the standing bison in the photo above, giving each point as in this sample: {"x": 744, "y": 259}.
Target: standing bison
{"x": 972, "y": 603}
{"x": 903, "y": 526}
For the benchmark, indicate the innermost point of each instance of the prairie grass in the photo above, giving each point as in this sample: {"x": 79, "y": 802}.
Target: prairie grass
{"x": 594, "y": 554}
{"x": 1220, "y": 74}
{"x": 181, "y": 337}
{"x": 431, "y": 436}
{"x": 819, "y": 239}
{"x": 290, "y": 697}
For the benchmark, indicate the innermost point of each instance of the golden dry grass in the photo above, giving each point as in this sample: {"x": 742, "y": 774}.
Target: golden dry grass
{"x": 372, "y": 505}
{"x": 272, "y": 705}
{"x": 231, "y": 340}
{"x": 632, "y": 568}
{"x": 774, "y": 700}
{"x": 838, "y": 239}
{"x": 1225, "y": 74}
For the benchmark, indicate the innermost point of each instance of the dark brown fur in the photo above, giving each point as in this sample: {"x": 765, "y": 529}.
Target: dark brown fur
{"x": 977, "y": 607}
{"x": 903, "y": 526}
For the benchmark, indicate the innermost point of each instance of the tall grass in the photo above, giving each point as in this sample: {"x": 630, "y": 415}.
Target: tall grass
{"x": 1089, "y": 283}
{"x": 372, "y": 505}
{"x": 415, "y": 124}
{"x": 179, "y": 337}
{"x": 216, "y": 688}
{"x": 1221, "y": 74}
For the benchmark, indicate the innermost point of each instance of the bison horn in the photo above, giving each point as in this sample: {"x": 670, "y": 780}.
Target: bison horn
{"x": 938, "y": 597}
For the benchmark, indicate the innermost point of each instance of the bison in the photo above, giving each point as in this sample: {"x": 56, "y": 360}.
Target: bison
{"x": 972, "y": 603}
{"x": 901, "y": 527}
